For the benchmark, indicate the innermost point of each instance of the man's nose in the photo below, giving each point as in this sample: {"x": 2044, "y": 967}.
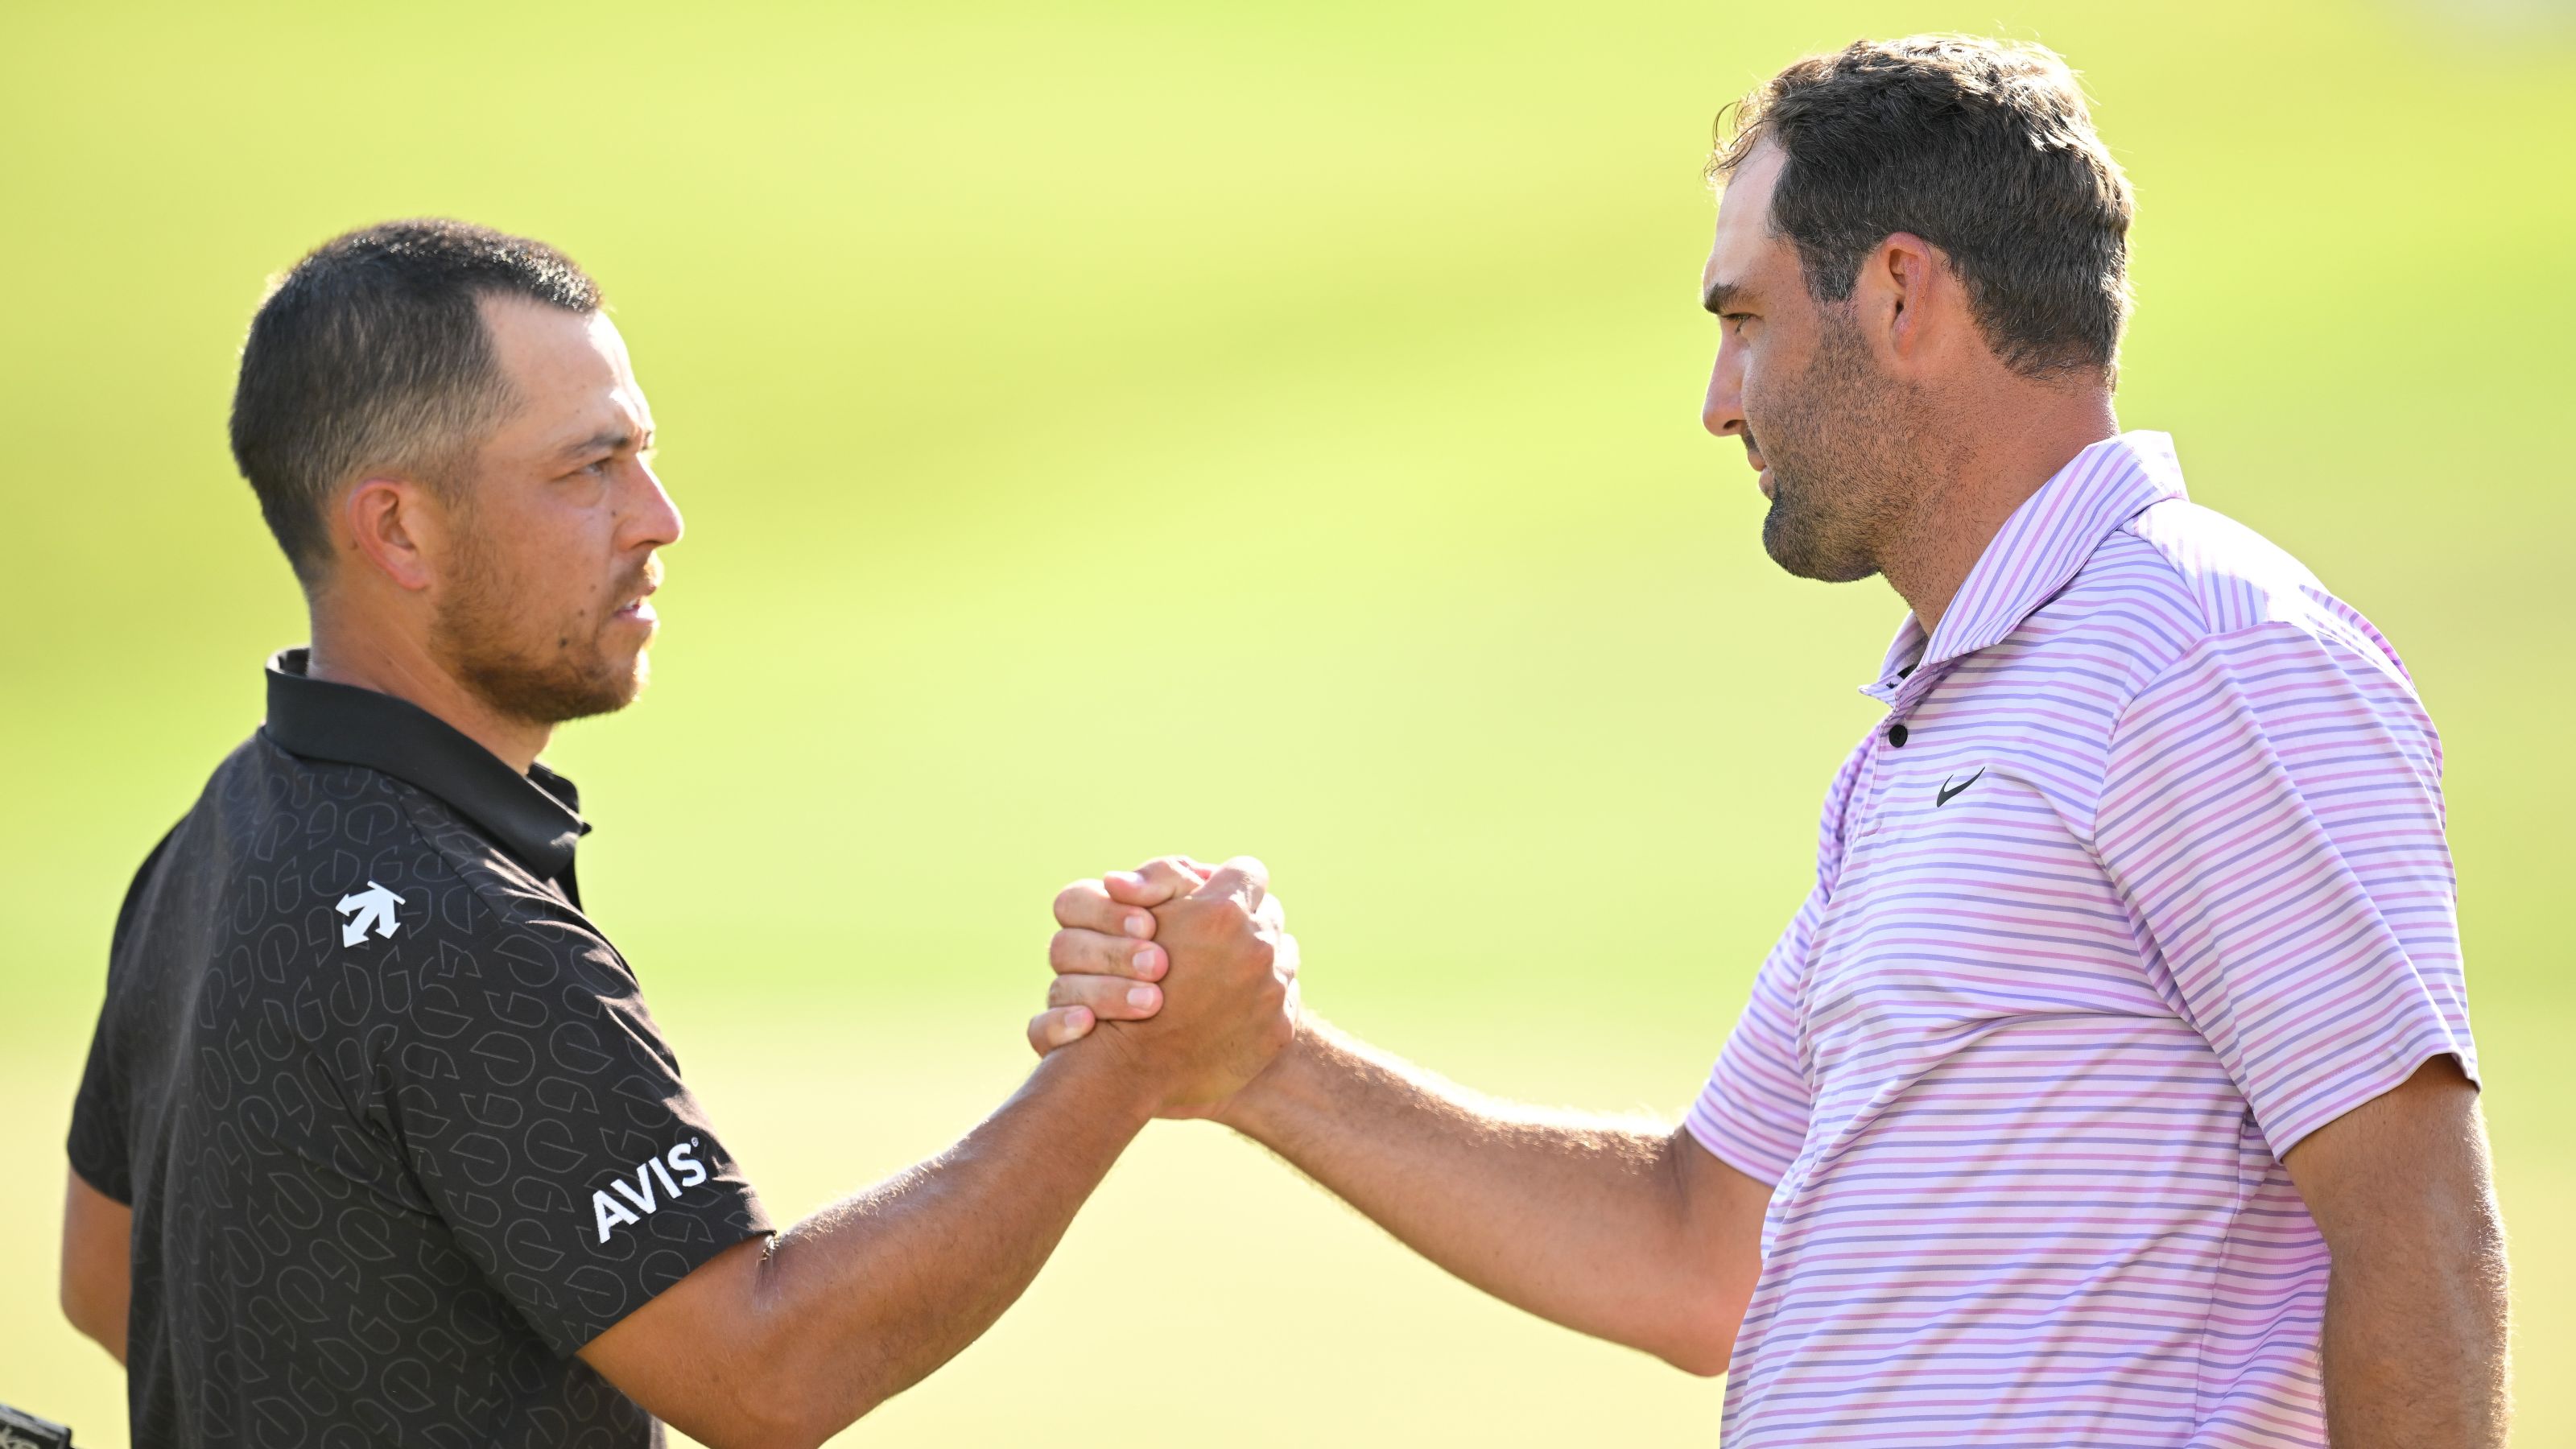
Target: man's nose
{"x": 653, "y": 518}
{"x": 1722, "y": 412}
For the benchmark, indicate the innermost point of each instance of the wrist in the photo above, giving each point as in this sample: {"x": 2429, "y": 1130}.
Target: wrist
{"x": 1115, "y": 1087}
{"x": 1260, "y": 1107}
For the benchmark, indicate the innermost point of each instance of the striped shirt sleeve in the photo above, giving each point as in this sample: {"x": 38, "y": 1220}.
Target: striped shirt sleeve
{"x": 1753, "y": 1113}
{"x": 2272, "y": 813}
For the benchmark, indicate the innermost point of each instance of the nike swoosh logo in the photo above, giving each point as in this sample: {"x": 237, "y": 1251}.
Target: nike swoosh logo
{"x": 1949, "y": 791}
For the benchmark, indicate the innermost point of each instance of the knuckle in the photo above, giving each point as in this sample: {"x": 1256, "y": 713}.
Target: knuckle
{"x": 1257, "y": 956}
{"x": 1070, "y": 991}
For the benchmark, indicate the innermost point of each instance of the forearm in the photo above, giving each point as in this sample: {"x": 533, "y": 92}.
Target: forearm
{"x": 2414, "y": 1343}
{"x": 862, "y": 1299}
{"x": 1583, "y": 1220}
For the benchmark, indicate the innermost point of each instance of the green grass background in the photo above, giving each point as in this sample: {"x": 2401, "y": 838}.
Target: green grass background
{"x": 1134, "y": 427}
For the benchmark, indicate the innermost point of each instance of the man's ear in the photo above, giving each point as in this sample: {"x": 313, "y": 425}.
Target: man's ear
{"x": 1901, "y": 292}
{"x": 394, "y": 528}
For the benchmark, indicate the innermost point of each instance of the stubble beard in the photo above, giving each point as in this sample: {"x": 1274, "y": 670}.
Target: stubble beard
{"x": 489, "y": 645}
{"x": 1837, "y": 446}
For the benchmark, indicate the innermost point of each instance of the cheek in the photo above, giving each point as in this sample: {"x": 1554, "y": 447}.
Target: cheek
{"x": 1749, "y": 376}
{"x": 1773, "y": 379}
{"x": 544, "y": 583}
{"x": 1727, "y": 374}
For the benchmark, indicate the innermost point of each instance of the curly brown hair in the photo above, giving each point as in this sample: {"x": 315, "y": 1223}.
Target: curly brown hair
{"x": 1985, "y": 149}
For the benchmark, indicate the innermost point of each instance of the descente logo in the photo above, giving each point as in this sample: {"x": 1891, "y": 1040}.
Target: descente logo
{"x": 640, "y": 1199}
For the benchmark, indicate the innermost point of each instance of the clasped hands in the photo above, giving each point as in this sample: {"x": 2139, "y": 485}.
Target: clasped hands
{"x": 1185, "y": 970}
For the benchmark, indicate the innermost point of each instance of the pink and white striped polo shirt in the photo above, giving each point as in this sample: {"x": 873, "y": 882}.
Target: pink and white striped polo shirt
{"x": 2141, "y": 881}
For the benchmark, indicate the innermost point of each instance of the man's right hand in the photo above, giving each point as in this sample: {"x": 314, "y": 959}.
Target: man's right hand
{"x": 1187, "y": 972}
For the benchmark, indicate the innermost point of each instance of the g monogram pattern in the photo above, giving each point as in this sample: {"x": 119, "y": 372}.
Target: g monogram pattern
{"x": 363, "y": 1174}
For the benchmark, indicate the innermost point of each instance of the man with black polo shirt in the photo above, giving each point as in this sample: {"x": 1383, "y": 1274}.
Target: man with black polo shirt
{"x": 377, "y": 1142}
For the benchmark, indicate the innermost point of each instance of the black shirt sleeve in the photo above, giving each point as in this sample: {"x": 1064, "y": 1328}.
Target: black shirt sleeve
{"x": 97, "y": 1144}
{"x": 544, "y": 1116}
{"x": 98, "y": 1147}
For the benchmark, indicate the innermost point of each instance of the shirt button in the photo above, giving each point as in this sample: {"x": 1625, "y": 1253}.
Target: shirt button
{"x": 1896, "y": 735}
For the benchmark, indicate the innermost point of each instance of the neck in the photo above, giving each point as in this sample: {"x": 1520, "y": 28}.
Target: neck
{"x": 389, "y": 661}
{"x": 2004, "y": 452}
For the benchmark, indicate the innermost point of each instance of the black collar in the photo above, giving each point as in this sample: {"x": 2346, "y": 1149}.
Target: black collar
{"x": 535, "y": 815}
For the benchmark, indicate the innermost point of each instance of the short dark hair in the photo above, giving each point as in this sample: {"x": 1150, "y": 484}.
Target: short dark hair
{"x": 371, "y": 353}
{"x": 1983, "y": 148}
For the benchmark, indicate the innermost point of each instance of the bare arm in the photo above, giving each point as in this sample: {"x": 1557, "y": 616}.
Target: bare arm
{"x": 1627, "y": 1230}
{"x": 788, "y": 1343}
{"x": 2415, "y": 1301}
{"x": 98, "y": 1263}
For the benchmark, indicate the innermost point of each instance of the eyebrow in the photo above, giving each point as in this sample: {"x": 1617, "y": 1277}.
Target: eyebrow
{"x": 611, "y": 440}
{"x": 1722, "y": 297}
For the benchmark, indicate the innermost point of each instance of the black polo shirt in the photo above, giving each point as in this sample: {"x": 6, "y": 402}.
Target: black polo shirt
{"x": 397, "y": 1129}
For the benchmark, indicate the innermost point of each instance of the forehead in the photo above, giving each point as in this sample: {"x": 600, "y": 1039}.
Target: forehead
{"x": 1744, "y": 241}
{"x": 568, "y": 369}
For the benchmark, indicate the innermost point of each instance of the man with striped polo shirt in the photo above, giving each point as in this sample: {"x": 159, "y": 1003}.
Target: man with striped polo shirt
{"x": 2113, "y": 1086}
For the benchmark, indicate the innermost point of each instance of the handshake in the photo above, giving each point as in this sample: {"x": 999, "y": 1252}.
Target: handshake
{"x": 1184, "y": 972}
{"x": 1175, "y": 995}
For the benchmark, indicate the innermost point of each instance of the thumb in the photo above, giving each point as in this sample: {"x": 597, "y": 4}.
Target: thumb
{"x": 1156, "y": 881}
{"x": 1244, "y": 880}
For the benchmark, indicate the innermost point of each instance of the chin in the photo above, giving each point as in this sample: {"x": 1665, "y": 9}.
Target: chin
{"x": 618, "y": 684}
{"x": 1805, "y": 550}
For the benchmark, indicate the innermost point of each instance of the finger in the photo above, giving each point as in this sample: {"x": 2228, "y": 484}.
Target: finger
{"x": 1058, "y": 1026}
{"x": 1156, "y": 881}
{"x": 1089, "y": 953}
{"x": 1243, "y": 879}
{"x": 1110, "y": 998}
{"x": 1272, "y": 913}
{"x": 1085, "y": 906}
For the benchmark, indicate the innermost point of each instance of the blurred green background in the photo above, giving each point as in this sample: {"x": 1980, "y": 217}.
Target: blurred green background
{"x": 1135, "y": 427}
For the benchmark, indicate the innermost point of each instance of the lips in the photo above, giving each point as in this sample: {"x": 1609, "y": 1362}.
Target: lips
{"x": 640, "y": 607}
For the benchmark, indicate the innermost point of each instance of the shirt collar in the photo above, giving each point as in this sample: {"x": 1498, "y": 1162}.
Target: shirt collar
{"x": 536, "y": 816}
{"x": 2036, "y": 553}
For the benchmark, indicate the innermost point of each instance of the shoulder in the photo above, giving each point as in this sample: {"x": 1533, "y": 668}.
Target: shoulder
{"x": 502, "y": 950}
{"x": 2257, "y": 659}
{"x": 254, "y": 849}
{"x": 2180, "y": 582}
{"x": 490, "y": 917}
{"x": 325, "y": 866}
